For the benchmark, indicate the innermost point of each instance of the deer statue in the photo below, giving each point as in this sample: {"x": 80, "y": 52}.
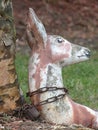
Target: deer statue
{"x": 46, "y": 90}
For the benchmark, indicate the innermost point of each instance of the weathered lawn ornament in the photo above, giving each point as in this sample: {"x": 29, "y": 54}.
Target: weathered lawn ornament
{"x": 49, "y": 54}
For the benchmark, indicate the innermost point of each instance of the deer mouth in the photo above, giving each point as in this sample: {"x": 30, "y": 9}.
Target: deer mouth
{"x": 87, "y": 53}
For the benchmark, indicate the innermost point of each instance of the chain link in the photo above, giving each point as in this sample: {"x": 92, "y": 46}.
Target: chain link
{"x": 49, "y": 100}
{"x": 45, "y": 89}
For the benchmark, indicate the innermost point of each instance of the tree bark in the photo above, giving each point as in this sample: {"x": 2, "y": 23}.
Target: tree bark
{"x": 9, "y": 87}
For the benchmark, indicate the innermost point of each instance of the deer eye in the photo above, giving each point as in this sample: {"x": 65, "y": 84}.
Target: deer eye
{"x": 59, "y": 40}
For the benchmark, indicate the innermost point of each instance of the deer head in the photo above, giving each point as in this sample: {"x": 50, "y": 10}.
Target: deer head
{"x": 56, "y": 49}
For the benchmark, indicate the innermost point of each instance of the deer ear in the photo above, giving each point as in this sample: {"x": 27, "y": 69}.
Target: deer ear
{"x": 36, "y": 26}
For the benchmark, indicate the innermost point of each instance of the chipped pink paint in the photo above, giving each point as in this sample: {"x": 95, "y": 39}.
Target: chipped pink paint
{"x": 45, "y": 70}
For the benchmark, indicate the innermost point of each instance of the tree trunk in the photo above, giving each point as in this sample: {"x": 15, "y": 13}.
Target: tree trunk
{"x": 9, "y": 87}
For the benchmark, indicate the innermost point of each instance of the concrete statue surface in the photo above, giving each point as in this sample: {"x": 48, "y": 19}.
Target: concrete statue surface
{"x": 46, "y": 89}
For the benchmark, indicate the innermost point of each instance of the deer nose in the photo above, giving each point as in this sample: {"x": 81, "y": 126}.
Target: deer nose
{"x": 87, "y": 53}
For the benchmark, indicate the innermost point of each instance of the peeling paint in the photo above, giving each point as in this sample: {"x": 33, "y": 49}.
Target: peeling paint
{"x": 45, "y": 70}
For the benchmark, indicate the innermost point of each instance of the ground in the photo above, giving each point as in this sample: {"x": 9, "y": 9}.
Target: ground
{"x": 75, "y": 20}
{"x": 13, "y": 123}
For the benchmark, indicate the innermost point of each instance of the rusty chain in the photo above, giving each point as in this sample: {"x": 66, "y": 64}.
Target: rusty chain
{"x": 49, "y": 100}
{"x": 29, "y": 111}
{"x": 45, "y": 89}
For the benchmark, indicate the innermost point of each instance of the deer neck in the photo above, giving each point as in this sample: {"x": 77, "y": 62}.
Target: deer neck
{"x": 43, "y": 73}
{"x": 54, "y": 76}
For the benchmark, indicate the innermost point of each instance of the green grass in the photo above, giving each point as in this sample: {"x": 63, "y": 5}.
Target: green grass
{"x": 81, "y": 79}
{"x": 21, "y": 63}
